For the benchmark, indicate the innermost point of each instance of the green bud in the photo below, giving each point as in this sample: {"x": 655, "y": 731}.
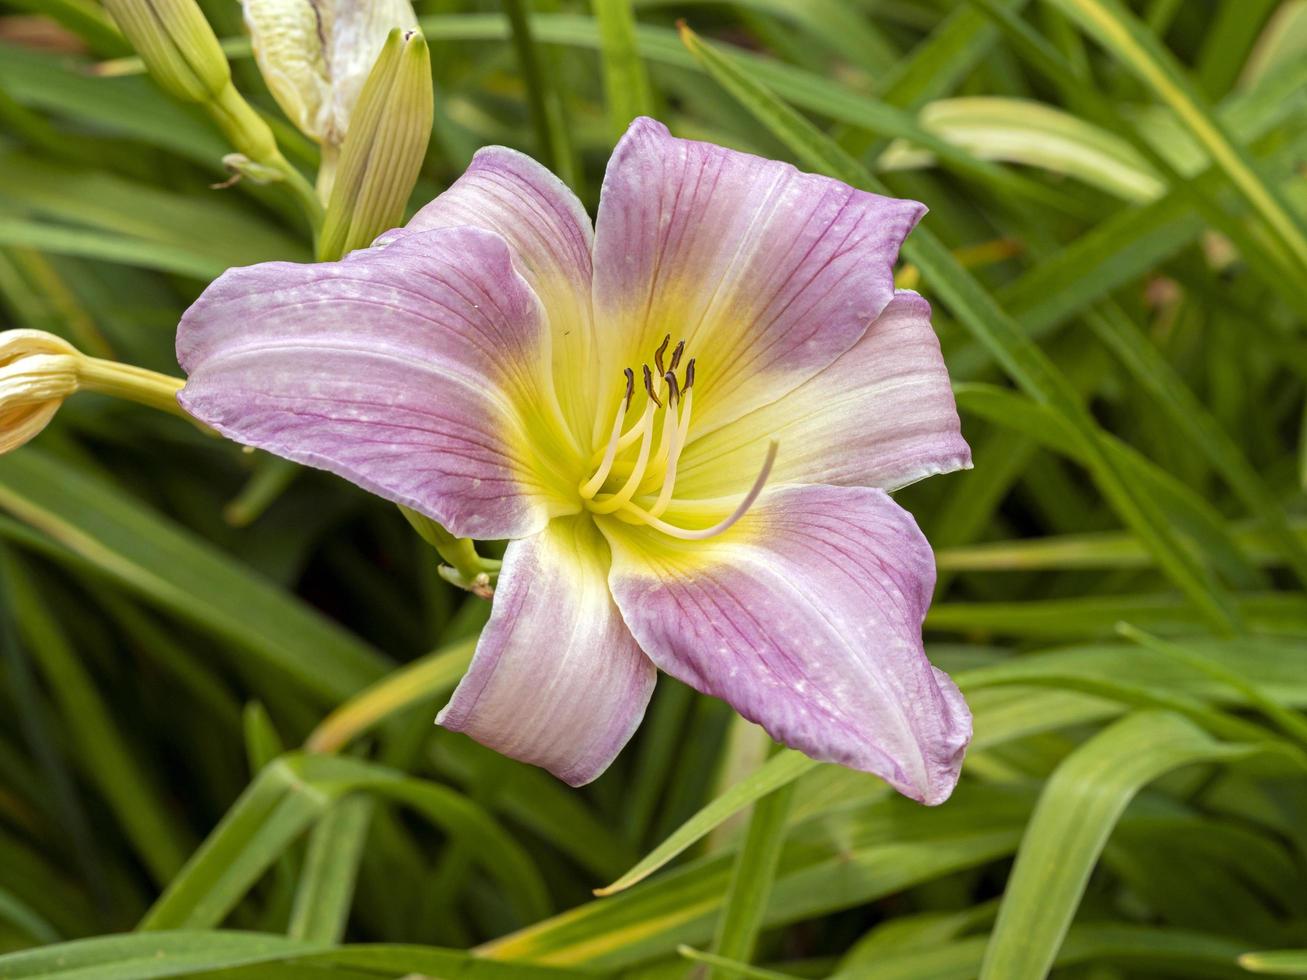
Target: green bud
{"x": 383, "y": 150}
{"x": 177, "y": 45}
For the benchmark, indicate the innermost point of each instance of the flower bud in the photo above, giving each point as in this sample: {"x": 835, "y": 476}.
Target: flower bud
{"x": 316, "y": 54}
{"x": 384, "y": 149}
{"x": 177, "y": 45}
{"x": 37, "y": 372}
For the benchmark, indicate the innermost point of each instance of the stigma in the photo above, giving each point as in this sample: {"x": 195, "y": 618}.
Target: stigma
{"x": 635, "y": 473}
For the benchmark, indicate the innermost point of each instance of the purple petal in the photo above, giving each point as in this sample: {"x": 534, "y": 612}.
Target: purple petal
{"x": 882, "y": 415}
{"x": 557, "y": 679}
{"x": 768, "y": 273}
{"x": 408, "y": 369}
{"x": 806, "y": 617}
{"x": 549, "y": 233}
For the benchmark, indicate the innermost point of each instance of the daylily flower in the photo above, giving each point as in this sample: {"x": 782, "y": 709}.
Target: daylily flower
{"x": 686, "y": 420}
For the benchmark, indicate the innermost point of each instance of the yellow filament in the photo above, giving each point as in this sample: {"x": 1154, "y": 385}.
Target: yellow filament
{"x": 630, "y": 435}
{"x": 674, "y": 456}
{"x": 685, "y": 534}
{"x": 623, "y": 496}
{"x": 591, "y": 486}
{"x": 659, "y": 461}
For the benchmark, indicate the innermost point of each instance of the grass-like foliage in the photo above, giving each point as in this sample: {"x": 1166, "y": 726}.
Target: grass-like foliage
{"x": 218, "y": 672}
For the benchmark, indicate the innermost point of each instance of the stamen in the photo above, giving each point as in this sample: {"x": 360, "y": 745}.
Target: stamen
{"x": 710, "y": 532}
{"x": 673, "y": 390}
{"x": 676, "y": 356}
{"x": 689, "y": 375}
{"x": 674, "y": 457}
{"x": 591, "y": 486}
{"x": 658, "y": 354}
{"x": 659, "y": 461}
{"x": 648, "y": 386}
{"x": 623, "y": 497}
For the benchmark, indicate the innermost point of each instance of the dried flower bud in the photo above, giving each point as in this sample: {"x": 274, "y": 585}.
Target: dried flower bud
{"x": 177, "y": 45}
{"x": 316, "y": 54}
{"x": 37, "y": 372}
{"x": 383, "y": 152}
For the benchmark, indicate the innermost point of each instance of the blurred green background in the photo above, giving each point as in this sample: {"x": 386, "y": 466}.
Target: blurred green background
{"x": 1117, "y": 257}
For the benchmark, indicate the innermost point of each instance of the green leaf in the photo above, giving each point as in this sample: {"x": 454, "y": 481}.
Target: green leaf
{"x": 1279, "y": 962}
{"x": 1075, "y": 815}
{"x": 1034, "y": 134}
{"x": 627, "y": 89}
{"x": 291, "y": 794}
{"x": 141, "y": 957}
{"x": 745, "y": 901}
{"x": 1130, "y": 41}
{"x": 548, "y": 113}
{"x": 131, "y": 789}
{"x": 184, "y": 575}
{"x": 1151, "y": 951}
{"x": 87, "y": 244}
{"x": 130, "y": 107}
{"x": 780, "y": 770}
{"x": 210, "y": 225}
{"x": 326, "y": 887}
{"x": 1190, "y": 514}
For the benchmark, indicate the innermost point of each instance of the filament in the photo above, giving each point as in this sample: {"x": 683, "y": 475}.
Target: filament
{"x": 684, "y": 534}
{"x": 591, "y": 486}
{"x": 674, "y": 456}
{"x": 623, "y": 497}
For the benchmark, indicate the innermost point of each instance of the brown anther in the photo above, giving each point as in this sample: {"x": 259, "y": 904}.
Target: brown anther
{"x": 673, "y": 389}
{"x": 630, "y": 384}
{"x": 658, "y": 354}
{"x": 676, "y": 355}
{"x": 689, "y": 375}
{"x": 648, "y": 386}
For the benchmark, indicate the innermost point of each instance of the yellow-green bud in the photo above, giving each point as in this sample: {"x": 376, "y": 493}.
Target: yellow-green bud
{"x": 316, "y": 54}
{"x": 39, "y": 370}
{"x": 383, "y": 151}
{"x": 177, "y": 45}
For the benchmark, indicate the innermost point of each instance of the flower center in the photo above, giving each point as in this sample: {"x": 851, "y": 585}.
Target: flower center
{"x": 637, "y": 485}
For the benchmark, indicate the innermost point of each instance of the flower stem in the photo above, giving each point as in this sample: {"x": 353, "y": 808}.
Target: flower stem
{"x": 131, "y": 383}
{"x": 464, "y": 567}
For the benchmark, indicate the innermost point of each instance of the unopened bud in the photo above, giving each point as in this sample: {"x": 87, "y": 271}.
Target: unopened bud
{"x": 316, "y": 54}
{"x": 383, "y": 152}
{"x": 177, "y": 45}
{"x": 37, "y": 372}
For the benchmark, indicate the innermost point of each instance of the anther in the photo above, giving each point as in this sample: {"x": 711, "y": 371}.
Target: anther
{"x": 673, "y": 389}
{"x": 630, "y": 384}
{"x": 648, "y": 386}
{"x": 676, "y": 355}
{"x": 658, "y": 354}
{"x": 689, "y": 375}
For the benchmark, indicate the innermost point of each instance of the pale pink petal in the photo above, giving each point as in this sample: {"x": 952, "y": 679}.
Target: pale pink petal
{"x": 550, "y": 236}
{"x": 767, "y": 273}
{"x": 557, "y": 680}
{"x": 882, "y": 415}
{"x": 411, "y": 369}
{"x": 806, "y": 617}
